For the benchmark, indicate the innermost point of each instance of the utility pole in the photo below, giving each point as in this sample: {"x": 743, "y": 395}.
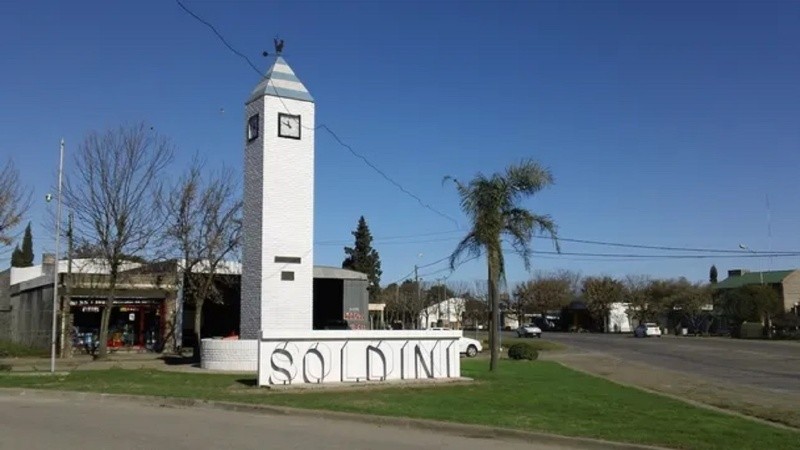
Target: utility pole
{"x": 442, "y": 299}
{"x": 419, "y": 292}
{"x": 397, "y": 302}
{"x": 55, "y": 270}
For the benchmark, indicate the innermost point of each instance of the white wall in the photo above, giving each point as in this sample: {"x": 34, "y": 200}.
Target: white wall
{"x": 511, "y": 321}
{"x": 20, "y": 274}
{"x": 448, "y": 311}
{"x": 288, "y": 228}
{"x": 229, "y": 355}
{"x": 79, "y": 265}
{"x": 278, "y": 221}
{"x": 618, "y": 315}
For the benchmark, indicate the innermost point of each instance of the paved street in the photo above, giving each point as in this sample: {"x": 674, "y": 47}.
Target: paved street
{"x": 48, "y": 421}
{"x": 770, "y": 365}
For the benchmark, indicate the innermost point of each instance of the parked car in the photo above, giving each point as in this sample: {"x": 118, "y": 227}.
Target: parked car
{"x": 529, "y": 330}
{"x": 647, "y": 330}
{"x": 466, "y": 346}
{"x": 469, "y": 346}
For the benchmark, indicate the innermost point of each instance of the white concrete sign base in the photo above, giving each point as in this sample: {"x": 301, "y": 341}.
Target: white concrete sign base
{"x": 317, "y": 357}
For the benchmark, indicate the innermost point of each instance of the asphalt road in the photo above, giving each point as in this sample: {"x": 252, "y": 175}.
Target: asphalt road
{"x": 48, "y": 421}
{"x": 770, "y": 365}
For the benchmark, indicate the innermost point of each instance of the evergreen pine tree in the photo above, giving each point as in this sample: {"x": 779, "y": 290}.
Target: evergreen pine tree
{"x": 363, "y": 258}
{"x": 16, "y": 257}
{"x": 26, "y": 254}
{"x": 712, "y": 275}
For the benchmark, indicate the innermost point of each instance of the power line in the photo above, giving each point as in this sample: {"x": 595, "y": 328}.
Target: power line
{"x": 322, "y": 126}
{"x": 387, "y": 177}
{"x": 615, "y": 257}
{"x": 459, "y": 264}
{"x": 434, "y": 263}
{"x": 660, "y": 247}
{"x": 404, "y": 277}
{"x": 381, "y": 240}
{"x": 221, "y": 38}
{"x": 386, "y": 238}
{"x": 651, "y": 256}
{"x": 438, "y": 261}
{"x": 424, "y": 241}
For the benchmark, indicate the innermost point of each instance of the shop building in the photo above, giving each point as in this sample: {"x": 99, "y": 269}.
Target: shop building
{"x": 150, "y": 312}
{"x": 143, "y": 316}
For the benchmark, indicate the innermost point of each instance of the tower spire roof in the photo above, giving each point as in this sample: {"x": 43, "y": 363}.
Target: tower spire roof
{"x": 280, "y": 81}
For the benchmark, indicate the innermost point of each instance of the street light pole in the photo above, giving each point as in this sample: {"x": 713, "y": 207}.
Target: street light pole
{"x": 53, "y": 339}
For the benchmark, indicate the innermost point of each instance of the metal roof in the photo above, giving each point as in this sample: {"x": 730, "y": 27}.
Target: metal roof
{"x": 280, "y": 81}
{"x": 749, "y": 278}
{"x": 338, "y": 273}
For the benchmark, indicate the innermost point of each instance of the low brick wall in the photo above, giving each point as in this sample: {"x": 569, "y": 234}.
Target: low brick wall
{"x": 229, "y": 355}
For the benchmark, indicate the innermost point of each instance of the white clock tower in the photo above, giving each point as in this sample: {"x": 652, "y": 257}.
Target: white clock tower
{"x": 277, "y": 252}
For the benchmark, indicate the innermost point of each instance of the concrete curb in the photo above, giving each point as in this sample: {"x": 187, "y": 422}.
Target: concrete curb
{"x": 464, "y": 430}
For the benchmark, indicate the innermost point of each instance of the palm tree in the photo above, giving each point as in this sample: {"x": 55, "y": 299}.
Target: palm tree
{"x": 493, "y": 207}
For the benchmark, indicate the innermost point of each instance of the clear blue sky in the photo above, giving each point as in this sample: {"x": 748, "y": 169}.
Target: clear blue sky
{"x": 665, "y": 123}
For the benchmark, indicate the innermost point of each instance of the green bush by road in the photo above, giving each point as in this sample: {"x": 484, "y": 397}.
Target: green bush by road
{"x": 534, "y": 396}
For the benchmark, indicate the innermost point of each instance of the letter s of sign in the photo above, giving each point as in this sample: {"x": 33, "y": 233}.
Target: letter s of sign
{"x": 282, "y": 363}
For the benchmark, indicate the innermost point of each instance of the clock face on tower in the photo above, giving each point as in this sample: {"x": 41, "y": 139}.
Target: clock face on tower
{"x": 288, "y": 126}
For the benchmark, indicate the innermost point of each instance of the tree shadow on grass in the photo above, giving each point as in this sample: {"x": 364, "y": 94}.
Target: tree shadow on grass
{"x": 176, "y": 360}
{"x": 248, "y": 382}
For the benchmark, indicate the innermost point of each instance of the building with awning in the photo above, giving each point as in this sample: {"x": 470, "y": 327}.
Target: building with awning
{"x": 150, "y": 311}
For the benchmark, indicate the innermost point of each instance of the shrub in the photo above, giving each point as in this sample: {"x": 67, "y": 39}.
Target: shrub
{"x": 5, "y": 367}
{"x": 751, "y": 330}
{"x": 523, "y": 350}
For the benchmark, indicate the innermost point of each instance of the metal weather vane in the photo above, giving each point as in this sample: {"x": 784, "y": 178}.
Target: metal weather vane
{"x": 278, "y": 47}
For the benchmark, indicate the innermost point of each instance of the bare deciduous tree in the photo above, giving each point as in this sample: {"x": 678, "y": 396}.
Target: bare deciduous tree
{"x": 459, "y": 305}
{"x": 694, "y": 302}
{"x": 575, "y": 280}
{"x": 114, "y": 194}
{"x": 520, "y": 301}
{"x": 204, "y": 229}
{"x": 600, "y": 293}
{"x": 641, "y": 307}
{"x": 551, "y": 293}
{"x": 14, "y": 202}
{"x": 477, "y": 308}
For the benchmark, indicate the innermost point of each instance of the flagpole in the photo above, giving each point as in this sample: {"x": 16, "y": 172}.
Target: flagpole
{"x": 53, "y": 339}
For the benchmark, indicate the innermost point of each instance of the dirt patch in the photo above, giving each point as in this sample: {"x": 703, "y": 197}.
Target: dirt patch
{"x": 776, "y": 407}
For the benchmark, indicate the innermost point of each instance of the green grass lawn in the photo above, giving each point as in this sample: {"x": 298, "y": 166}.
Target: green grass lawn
{"x": 534, "y": 396}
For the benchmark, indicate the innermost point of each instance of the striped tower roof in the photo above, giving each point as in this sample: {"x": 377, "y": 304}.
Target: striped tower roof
{"x": 280, "y": 81}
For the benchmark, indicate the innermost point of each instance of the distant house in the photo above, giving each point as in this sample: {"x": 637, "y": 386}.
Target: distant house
{"x": 785, "y": 282}
{"x": 447, "y": 313}
{"x": 618, "y": 319}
